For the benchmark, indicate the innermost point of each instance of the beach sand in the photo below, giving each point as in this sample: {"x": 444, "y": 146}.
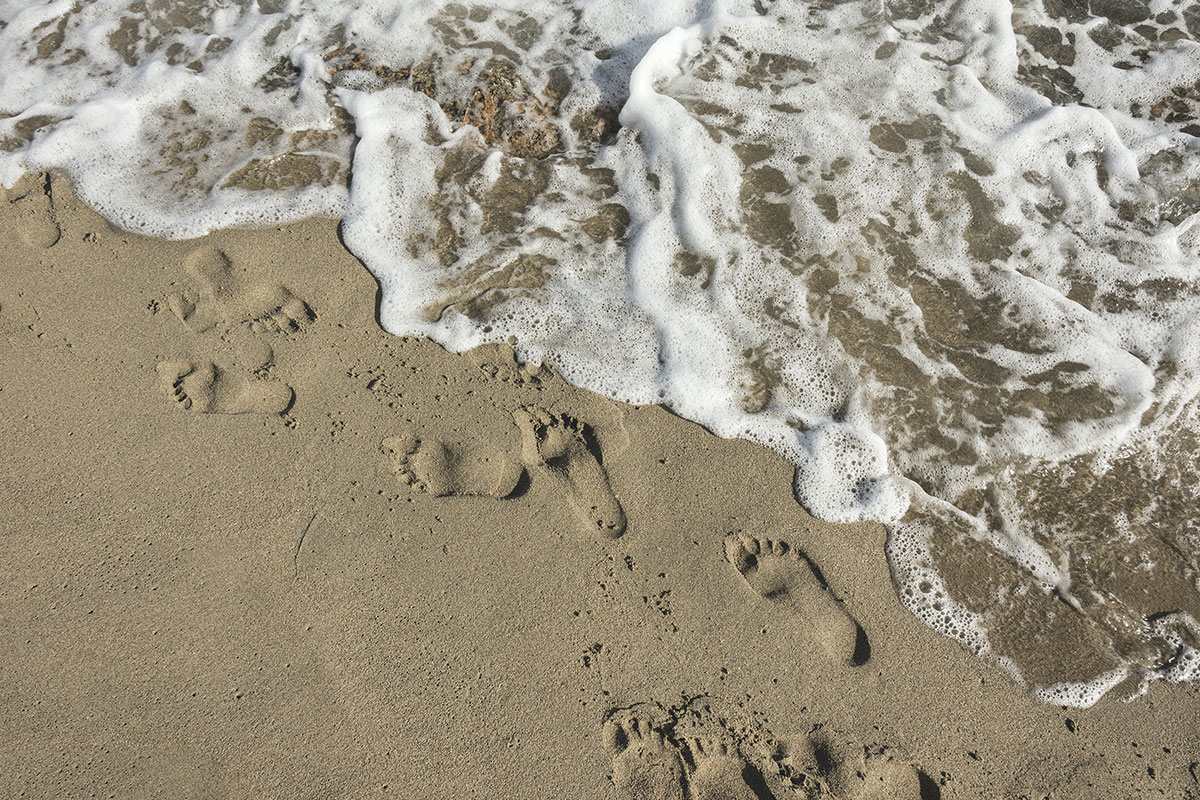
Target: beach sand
{"x": 255, "y": 547}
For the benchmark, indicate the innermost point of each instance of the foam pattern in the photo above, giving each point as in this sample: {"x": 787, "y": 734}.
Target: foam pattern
{"x": 937, "y": 254}
{"x": 1081, "y": 694}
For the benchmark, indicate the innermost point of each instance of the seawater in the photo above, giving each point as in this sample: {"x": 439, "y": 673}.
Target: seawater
{"x": 943, "y": 256}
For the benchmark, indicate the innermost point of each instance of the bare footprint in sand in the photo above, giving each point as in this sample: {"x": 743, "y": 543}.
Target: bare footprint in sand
{"x": 274, "y": 309}
{"x": 219, "y": 297}
{"x": 720, "y": 773}
{"x": 557, "y": 446}
{"x": 37, "y": 225}
{"x": 201, "y": 308}
{"x": 645, "y": 766}
{"x": 202, "y": 387}
{"x": 820, "y": 767}
{"x": 889, "y": 780}
{"x": 786, "y": 578}
{"x": 441, "y": 469}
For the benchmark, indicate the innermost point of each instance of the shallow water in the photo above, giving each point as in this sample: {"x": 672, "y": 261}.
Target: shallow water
{"x": 943, "y": 256}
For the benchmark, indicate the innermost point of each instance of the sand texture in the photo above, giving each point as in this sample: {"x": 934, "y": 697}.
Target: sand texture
{"x": 255, "y": 547}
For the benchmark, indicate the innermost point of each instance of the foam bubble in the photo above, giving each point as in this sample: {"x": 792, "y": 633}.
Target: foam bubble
{"x": 1082, "y": 694}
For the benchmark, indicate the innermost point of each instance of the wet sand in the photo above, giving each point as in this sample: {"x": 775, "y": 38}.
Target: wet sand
{"x": 253, "y": 546}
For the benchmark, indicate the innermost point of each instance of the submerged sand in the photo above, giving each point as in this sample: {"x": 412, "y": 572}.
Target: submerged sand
{"x": 256, "y": 547}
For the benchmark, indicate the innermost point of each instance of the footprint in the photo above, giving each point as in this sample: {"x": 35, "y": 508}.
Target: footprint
{"x": 274, "y": 309}
{"x": 219, "y": 297}
{"x": 31, "y": 198}
{"x": 441, "y": 469}
{"x": 720, "y": 773}
{"x": 557, "y": 444}
{"x": 200, "y": 309}
{"x": 890, "y": 780}
{"x": 786, "y": 577}
{"x": 192, "y": 311}
{"x": 645, "y": 766}
{"x": 202, "y": 387}
{"x": 803, "y": 764}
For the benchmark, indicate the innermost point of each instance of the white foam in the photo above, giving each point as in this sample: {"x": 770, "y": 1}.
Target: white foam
{"x": 1083, "y": 694}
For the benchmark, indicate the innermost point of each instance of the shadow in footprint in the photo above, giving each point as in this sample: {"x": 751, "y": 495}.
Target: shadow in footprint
{"x": 522, "y": 486}
{"x": 862, "y": 647}
{"x": 929, "y": 788}
{"x": 757, "y": 783}
{"x": 823, "y": 756}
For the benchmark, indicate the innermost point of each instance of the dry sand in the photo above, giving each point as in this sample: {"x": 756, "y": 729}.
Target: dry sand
{"x": 255, "y": 547}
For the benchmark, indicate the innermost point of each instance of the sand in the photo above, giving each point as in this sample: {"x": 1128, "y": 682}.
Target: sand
{"x": 255, "y": 547}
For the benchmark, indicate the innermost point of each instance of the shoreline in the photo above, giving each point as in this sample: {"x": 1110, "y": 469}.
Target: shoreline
{"x": 238, "y": 597}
